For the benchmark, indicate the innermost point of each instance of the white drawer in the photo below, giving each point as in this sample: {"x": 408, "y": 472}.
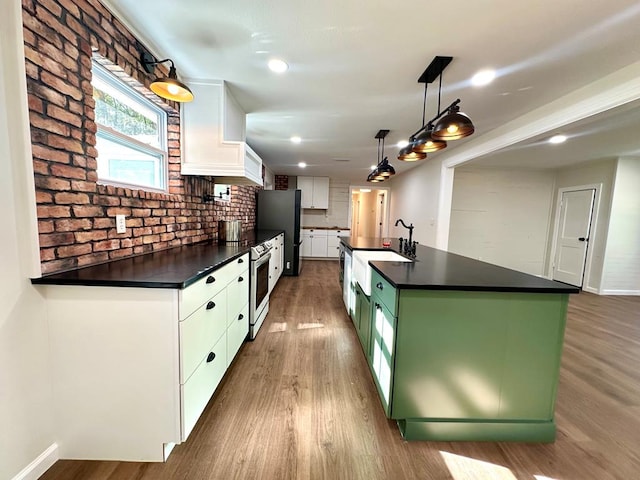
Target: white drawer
{"x": 237, "y": 333}
{"x": 237, "y": 295}
{"x": 340, "y": 233}
{"x": 201, "y": 291}
{"x": 317, "y": 232}
{"x": 201, "y": 330}
{"x": 195, "y": 394}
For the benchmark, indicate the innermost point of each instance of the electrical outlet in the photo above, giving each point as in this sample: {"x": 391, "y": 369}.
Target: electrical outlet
{"x": 121, "y": 226}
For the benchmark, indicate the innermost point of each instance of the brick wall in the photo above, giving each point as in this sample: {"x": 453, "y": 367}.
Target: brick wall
{"x": 76, "y": 215}
{"x": 282, "y": 182}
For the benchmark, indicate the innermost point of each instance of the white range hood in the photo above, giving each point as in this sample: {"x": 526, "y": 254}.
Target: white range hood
{"x": 213, "y": 136}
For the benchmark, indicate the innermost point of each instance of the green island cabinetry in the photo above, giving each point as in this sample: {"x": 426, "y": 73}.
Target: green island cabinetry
{"x": 361, "y": 317}
{"x": 467, "y": 365}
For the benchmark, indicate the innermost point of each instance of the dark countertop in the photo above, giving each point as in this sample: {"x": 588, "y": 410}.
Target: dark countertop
{"x": 435, "y": 269}
{"x": 173, "y": 268}
{"x": 325, "y": 228}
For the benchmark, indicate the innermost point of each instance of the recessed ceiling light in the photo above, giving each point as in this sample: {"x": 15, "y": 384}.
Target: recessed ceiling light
{"x": 402, "y": 143}
{"x": 558, "y": 139}
{"x": 295, "y": 139}
{"x": 302, "y": 164}
{"x": 483, "y": 77}
{"x": 278, "y": 66}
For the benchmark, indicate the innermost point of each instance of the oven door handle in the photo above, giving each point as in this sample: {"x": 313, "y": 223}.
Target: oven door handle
{"x": 263, "y": 259}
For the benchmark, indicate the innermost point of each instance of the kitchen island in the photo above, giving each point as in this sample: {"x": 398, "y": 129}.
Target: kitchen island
{"x": 461, "y": 349}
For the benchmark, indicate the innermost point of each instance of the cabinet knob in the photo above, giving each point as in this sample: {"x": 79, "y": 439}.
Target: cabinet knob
{"x": 378, "y": 307}
{"x": 240, "y": 279}
{"x": 210, "y": 305}
{"x": 210, "y": 357}
{"x": 240, "y": 317}
{"x": 210, "y": 279}
{"x": 240, "y": 260}
{"x": 379, "y": 285}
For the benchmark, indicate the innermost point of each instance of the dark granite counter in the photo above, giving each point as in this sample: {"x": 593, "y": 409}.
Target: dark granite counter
{"x": 173, "y": 268}
{"x": 435, "y": 269}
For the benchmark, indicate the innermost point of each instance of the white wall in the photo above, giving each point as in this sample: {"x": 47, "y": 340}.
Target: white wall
{"x": 621, "y": 273}
{"x": 26, "y": 421}
{"x": 415, "y": 199}
{"x": 592, "y": 173}
{"x": 338, "y": 213}
{"x": 501, "y": 216}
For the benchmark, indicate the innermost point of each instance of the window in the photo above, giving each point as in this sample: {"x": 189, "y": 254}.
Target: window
{"x": 131, "y": 136}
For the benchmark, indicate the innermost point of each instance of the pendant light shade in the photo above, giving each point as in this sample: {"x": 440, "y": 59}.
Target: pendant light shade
{"x": 385, "y": 169}
{"x": 407, "y": 154}
{"x": 425, "y": 143}
{"x": 168, "y": 87}
{"x": 453, "y": 126}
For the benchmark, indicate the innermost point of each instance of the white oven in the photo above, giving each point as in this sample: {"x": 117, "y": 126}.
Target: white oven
{"x": 259, "y": 291}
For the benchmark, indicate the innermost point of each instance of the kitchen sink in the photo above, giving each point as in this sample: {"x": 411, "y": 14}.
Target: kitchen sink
{"x": 361, "y": 271}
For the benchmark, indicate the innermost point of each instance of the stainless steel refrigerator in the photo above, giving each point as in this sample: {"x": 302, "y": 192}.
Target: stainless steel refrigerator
{"x": 280, "y": 210}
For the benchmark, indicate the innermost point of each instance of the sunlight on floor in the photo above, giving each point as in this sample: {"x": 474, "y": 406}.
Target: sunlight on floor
{"x": 278, "y": 327}
{"x": 304, "y": 326}
{"x": 465, "y": 468}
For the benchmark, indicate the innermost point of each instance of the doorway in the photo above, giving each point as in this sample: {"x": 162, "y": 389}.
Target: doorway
{"x": 574, "y": 221}
{"x": 369, "y": 211}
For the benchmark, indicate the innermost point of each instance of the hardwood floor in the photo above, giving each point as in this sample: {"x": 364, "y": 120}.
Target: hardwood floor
{"x": 299, "y": 403}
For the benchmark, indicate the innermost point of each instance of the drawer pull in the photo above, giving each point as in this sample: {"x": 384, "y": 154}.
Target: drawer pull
{"x": 240, "y": 260}
{"x": 240, "y": 279}
{"x": 210, "y": 357}
{"x": 210, "y": 305}
{"x": 379, "y": 285}
{"x": 210, "y": 279}
{"x": 240, "y": 317}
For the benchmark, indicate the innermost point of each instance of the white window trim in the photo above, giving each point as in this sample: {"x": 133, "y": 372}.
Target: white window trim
{"x": 163, "y": 151}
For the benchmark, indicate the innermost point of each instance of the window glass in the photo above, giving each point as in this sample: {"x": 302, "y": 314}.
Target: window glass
{"x": 131, "y": 134}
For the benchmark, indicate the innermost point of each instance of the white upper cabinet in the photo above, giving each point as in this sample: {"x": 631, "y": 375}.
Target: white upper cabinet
{"x": 214, "y": 134}
{"x": 315, "y": 192}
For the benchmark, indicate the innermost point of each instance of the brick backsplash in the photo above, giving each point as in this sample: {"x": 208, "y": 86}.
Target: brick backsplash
{"x": 76, "y": 214}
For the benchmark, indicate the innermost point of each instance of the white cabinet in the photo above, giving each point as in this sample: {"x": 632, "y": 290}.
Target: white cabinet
{"x": 315, "y": 192}
{"x": 322, "y": 243}
{"x": 213, "y": 137}
{"x": 276, "y": 261}
{"x": 314, "y": 242}
{"x": 136, "y": 367}
{"x": 333, "y": 242}
{"x": 305, "y": 251}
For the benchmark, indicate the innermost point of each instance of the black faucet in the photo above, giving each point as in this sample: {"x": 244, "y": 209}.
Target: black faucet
{"x": 409, "y": 246}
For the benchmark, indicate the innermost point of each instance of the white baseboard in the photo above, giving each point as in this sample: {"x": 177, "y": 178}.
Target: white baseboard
{"x": 35, "y": 469}
{"x": 591, "y": 290}
{"x": 620, "y": 292}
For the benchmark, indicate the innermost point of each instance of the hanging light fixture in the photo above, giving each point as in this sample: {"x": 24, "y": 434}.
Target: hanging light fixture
{"x": 383, "y": 168}
{"x": 448, "y": 124}
{"x": 424, "y": 142}
{"x": 168, "y": 87}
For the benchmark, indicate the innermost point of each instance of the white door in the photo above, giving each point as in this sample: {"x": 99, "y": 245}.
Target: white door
{"x": 572, "y": 237}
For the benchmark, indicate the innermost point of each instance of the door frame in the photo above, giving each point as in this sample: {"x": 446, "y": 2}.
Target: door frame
{"x": 373, "y": 188}
{"x": 586, "y": 277}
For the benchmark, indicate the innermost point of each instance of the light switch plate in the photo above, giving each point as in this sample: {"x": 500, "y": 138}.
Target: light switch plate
{"x": 121, "y": 226}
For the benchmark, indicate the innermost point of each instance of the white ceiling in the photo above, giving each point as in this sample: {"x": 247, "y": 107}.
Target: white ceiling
{"x": 354, "y": 66}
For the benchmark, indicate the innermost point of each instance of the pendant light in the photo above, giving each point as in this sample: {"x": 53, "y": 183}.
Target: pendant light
{"x": 168, "y": 87}
{"x": 448, "y": 124}
{"x": 384, "y": 169}
{"x": 453, "y": 126}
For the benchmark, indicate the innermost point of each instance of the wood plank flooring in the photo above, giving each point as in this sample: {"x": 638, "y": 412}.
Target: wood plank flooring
{"x": 299, "y": 403}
